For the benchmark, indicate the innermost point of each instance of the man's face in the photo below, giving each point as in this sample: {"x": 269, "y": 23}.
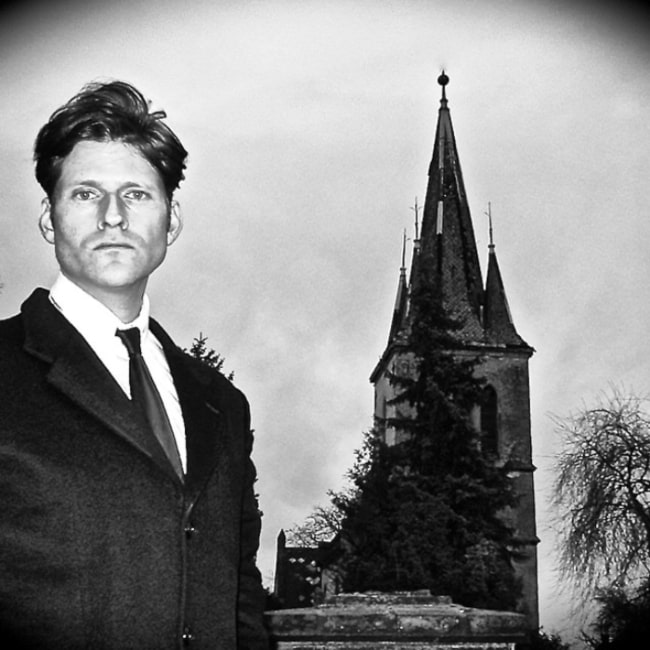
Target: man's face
{"x": 110, "y": 221}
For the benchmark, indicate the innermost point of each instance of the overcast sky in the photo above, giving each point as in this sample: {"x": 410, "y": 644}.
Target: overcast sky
{"x": 310, "y": 128}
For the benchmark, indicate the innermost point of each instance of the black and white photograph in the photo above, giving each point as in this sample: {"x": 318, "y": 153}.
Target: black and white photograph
{"x": 323, "y": 324}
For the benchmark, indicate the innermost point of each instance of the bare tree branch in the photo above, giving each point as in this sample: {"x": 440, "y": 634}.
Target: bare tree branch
{"x": 602, "y": 493}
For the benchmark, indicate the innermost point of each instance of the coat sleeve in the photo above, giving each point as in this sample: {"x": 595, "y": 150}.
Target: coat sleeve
{"x": 251, "y": 634}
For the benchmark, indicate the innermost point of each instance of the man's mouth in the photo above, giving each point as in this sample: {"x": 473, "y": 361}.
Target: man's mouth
{"x": 112, "y": 245}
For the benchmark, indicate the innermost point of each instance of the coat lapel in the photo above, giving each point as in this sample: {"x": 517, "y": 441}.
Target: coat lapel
{"x": 76, "y": 371}
{"x": 204, "y": 423}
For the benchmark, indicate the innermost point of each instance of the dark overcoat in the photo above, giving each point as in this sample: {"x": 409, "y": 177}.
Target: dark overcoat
{"x": 101, "y": 545}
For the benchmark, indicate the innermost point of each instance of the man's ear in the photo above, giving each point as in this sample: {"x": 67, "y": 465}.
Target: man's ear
{"x": 45, "y": 221}
{"x": 175, "y": 223}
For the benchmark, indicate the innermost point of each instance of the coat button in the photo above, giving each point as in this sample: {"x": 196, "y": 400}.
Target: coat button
{"x": 187, "y": 637}
{"x": 190, "y": 531}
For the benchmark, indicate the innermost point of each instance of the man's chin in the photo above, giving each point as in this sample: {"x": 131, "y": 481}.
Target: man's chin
{"x": 113, "y": 283}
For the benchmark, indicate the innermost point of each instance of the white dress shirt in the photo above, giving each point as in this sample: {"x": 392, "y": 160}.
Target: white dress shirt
{"x": 97, "y": 324}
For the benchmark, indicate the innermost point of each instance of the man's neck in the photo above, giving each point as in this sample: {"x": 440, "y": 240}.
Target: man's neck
{"x": 124, "y": 308}
{"x": 125, "y": 303}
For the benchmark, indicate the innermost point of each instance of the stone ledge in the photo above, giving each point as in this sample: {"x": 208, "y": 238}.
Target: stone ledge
{"x": 404, "y": 644}
{"x": 411, "y": 620}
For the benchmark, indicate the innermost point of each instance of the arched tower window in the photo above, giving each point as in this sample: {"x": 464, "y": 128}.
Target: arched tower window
{"x": 489, "y": 428}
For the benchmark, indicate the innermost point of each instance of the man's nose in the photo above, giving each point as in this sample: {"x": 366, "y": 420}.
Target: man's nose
{"x": 113, "y": 213}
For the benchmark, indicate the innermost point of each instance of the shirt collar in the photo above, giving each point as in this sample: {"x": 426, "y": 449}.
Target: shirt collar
{"x": 93, "y": 320}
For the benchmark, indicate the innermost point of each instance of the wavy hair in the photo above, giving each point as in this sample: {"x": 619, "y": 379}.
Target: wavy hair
{"x": 104, "y": 112}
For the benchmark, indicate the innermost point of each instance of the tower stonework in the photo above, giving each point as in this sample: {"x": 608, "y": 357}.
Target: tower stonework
{"x": 445, "y": 253}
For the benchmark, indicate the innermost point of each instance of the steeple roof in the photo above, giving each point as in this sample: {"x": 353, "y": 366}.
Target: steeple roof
{"x": 445, "y": 254}
{"x": 497, "y": 320}
{"x": 448, "y": 254}
{"x": 400, "y": 310}
{"x": 499, "y": 328}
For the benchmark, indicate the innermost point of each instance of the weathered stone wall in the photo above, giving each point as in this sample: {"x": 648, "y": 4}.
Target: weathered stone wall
{"x": 396, "y": 621}
{"x": 507, "y": 373}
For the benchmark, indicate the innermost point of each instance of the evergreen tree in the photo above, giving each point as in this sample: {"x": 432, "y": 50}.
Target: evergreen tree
{"x": 199, "y": 350}
{"x": 428, "y": 512}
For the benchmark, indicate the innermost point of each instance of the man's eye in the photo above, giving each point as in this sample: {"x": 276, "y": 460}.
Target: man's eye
{"x": 136, "y": 195}
{"x": 84, "y": 195}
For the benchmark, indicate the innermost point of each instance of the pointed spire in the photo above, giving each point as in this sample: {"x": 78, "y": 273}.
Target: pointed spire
{"x": 399, "y": 322}
{"x": 497, "y": 320}
{"x": 448, "y": 254}
{"x": 445, "y": 257}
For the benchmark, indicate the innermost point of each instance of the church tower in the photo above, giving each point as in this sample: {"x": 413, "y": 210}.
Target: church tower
{"x": 485, "y": 332}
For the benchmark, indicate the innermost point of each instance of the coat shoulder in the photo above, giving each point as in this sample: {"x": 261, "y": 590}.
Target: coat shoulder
{"x": 12, "y": 339}
{"x": 12, "y": 329}
{"x": 213, "y": 378}
{"x": 14, "y": 363}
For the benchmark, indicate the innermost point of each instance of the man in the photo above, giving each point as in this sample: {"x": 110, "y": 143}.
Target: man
{"x": 127, "y": 512}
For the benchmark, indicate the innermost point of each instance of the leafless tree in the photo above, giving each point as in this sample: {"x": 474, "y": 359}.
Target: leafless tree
{"x": 602, "y": 494}
{"x": 322, "y": 525}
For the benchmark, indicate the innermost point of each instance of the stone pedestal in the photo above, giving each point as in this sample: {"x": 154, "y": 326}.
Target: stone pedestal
{"x": 394, "y": 621}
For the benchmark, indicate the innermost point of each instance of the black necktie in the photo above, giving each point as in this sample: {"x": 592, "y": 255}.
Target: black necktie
{"x": 145, "y": 396}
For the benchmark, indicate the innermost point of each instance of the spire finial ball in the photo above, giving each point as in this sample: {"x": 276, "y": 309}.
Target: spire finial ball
{"x": 443, "y": 79}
